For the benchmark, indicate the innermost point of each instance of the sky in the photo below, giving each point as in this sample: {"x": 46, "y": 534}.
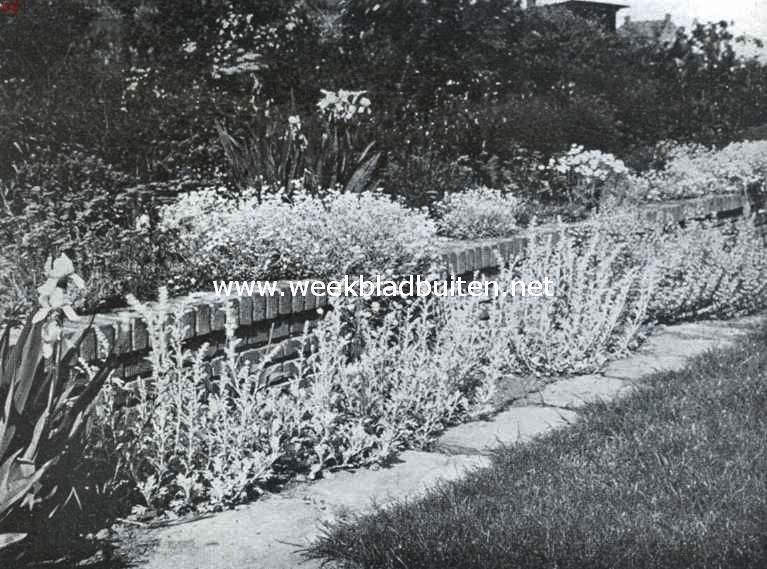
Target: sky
{"x": 750, "y": 16}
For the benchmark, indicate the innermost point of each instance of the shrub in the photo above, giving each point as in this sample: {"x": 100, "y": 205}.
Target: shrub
{"x": 705, "y": 268}
{"x": 369, "y": 380}
{"x": 478, "y": 214}
{"x": 585, "y": 174}
{"x": 190, "y": 442}
{"x": 303, "y": 236}
{"x": 422, "y": 178}
{"x": 76, "y": 202}
{"x": 693, "y": 170}
{"x": 599, "y": 304}
{"x": 710, "y": 271}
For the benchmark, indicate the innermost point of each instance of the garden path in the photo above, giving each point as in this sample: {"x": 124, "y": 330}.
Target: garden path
{"x": 269, "y": 533}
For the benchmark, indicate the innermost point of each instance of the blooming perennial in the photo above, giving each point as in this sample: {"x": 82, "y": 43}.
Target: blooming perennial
{"x": 54, "y": 300}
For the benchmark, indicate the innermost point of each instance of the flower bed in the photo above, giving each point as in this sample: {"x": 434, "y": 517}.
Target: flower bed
{"x": 371, "y": 378}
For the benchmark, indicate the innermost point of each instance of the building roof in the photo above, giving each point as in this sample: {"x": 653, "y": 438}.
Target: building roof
{"x": 585, "y": 4}
{"x": 663, "y": 30}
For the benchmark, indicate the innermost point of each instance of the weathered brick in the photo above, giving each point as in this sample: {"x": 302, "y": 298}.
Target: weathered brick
{"x": 291, "y": 348}
{"x": 122, "y": 328}
{"x": 136, "y": 369}
{"x": 289, "y": 370}
{"x": 252, "y": 356}
{"x": 298, "y": 303}
{"x": 272, "y": 307}
{"x": 452, "y": 262}
{"x": 462, "y": 265}
{"x": 488, "y": 257}
{"x": 273, "y": 375}
{"x": 297, "y": 327}
{"x": 280, "y": 329}
{"x": 285, "y": 305}
{"x": 310, "y": 301}
{"x": 472, "y": 263}
{"x": 218, "y": 316}
{"x": 259, "y": 308}
{"x": 202, "y": 318}
{"x": 140, "y": 334}
{"x": 188, "y": 323}
{"x": 107, "y": 329}
{"x": 246, "y": 311}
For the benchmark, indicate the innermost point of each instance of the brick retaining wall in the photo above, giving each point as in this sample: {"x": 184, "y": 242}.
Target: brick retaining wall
{"x": 267, "y": 323}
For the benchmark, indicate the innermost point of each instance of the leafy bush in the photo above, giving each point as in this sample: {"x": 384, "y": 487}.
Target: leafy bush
{"x": 711, "y": 272}
{"x": 705, "y": 268}
{"x": 478, "y": 213}
{"x": 303, "y": 236}
{"x": 76, "y": 202}
{"x": 422, "y": 178}
{"x": 190, "y": 442}
{"x": 693, "y": 170}
{"x": 599, "y": 303}
{"x": 584, "y": 173}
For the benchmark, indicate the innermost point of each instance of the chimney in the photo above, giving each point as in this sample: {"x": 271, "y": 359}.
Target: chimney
{"x": 531, "y": 4}
{"x": 668, "y": 17}
{"x": 627, "y": 20}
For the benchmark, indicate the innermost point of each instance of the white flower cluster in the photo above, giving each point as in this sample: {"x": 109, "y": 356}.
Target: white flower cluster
{"x": 589, "y": 165}
{"x": 305, "y": 235}
{"x": 343, "y": 106}
{"x": 693, "y": 170}
{"x": 478, "y": 213}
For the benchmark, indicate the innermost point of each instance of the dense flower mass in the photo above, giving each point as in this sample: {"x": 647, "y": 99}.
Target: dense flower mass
{"x": 299, "y": 236}
{"x": 478, "y": 213}
{"x": 694, "y": 170}
{"x": 589, "y": 165}
{"x": 344, "y": 105}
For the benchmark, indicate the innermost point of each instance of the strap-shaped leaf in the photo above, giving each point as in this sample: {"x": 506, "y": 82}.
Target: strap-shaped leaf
{"x": 8, "y": 539}
{"x": 29, "y": 367}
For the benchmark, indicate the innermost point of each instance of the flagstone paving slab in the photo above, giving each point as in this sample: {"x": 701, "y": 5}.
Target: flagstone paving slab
{"x": 269, "y": 533}
{"x": 638, "y": 366}
{"x": 414, "y": 472}
{"x": 575, "y": 392}
{"x": 518, "y": 424}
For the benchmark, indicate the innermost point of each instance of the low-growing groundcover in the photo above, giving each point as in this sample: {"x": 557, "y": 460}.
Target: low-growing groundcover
{"x": 674, "y": 476}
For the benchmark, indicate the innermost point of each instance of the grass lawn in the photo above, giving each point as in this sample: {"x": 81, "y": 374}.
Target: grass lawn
{"x": 674, "y": 476}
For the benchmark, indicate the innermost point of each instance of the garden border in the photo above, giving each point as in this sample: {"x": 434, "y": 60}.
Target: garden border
{"x": 272, "y": 324}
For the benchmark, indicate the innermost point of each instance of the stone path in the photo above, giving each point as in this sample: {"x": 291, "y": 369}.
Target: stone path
{"x": 269, "y": 533}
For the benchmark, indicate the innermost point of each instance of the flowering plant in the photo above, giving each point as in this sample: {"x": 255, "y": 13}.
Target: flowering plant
{"x": 298, "y": 235}
{"x": 55, "y": 302}
{"x": 478, "y": 213}
{"x": 344, "y": 106}
{"x": 586, "y": 172}
{"x": 694, "y": 170}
